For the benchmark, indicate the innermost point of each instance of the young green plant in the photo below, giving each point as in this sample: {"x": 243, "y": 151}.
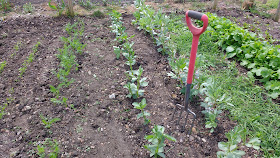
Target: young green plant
{"x": 157, "y": 139}
{"x": 143, "y": 113}
{"x": 48, "y": 121}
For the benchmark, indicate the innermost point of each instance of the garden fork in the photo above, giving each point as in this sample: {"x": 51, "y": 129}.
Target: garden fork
{"x": 196, "y": 33}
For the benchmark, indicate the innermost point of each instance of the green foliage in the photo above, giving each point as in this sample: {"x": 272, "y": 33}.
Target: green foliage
{"x": 48, "y": 148}
{"x": 214, "y": 101}
{"x": 28, "y": 8}
{"x": 157, "y": 141}
{"x": 48, "y": 121}
{"x": 67, "y": 58}
{"x": 134, "y": 89}
{"x": 87, "y": 4}
{"x": 5, "y": 5}
{"x": 2, "y": 108}
{"x": 59, "y": 8}
{"x": 2, "y": 66}
{"x": 230, "y": 148}
{"x": 29, "y": 60}
{"x": 98, "y": 14}
{"x": 261, "y": 58}
{"x": 143, "y": 113}
{"x": 117, "y": 51}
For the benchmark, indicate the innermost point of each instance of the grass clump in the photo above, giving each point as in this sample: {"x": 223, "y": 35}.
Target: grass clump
{"x": 98, "y": 14}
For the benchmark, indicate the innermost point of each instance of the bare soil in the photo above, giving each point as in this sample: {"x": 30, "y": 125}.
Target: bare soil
{"x": 99, "y": 126}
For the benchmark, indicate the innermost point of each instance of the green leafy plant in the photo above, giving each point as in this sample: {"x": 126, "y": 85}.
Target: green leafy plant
{"x": 213, "y": 102}
{"x": 2, "y": 66}
{"x": 5, "y": 5}
{"x": 143, "y": 113}
{"x": 2, "y": 108}
{"x": 59, "y": 8}
{"x": 117, "y": 51}
{"x": 230, "y": 148}
{"x": 29, "y": 60}
{"x": 157, "y": 141}
{"x": 28, "y": 8}
{"x": 134, "y": 89}
{"x": 48, "y": 121}
{"x": 48, "y": 148}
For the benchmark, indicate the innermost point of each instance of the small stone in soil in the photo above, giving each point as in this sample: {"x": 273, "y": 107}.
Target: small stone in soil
{"x": 112, "y": 96}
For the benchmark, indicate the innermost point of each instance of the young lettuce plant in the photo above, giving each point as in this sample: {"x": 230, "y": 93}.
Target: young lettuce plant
{"x": 143, "y": 113}
{"x": 230, "y": 148}
{"x": 157, "y": 141}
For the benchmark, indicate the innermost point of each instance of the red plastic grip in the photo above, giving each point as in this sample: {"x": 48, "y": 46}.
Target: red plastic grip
{"x": 196, "y": 33}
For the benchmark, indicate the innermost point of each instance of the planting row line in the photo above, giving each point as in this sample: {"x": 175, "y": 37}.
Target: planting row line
{"x": 166, "y": 31}
{"x": 134, "y": 83}
{"x": 67, "y": 58}
{"x": 67, "y": 63}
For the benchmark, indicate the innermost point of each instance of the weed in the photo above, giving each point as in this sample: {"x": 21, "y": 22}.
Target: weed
{"x": 157, "y": 139}
{"x": 48, "y": 121}
{"x": 143, "y": 113}
{"x": 28, "y": 8}
{"x": 2, "y": 66}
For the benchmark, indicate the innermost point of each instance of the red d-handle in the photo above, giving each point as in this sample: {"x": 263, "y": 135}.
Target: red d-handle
{"x": 199, "y": 16}
{"x": 196, "y": 33}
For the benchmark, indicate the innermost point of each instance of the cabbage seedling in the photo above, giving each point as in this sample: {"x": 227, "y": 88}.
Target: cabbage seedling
{"x": 143, "y": 113}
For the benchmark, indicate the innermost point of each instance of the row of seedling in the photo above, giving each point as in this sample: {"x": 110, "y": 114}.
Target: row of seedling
{"x": 29, "y": 60}
{"x": 159, "y": 27}
{"x": 135, "y": 82}
{"x": 68, "y": 61}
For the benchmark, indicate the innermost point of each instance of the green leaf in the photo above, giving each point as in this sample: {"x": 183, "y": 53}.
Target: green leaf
{"x": 169, "y": 137}
{"x": 52, "y": 6}
{"x": 247, "y": 56}
{"x": 244, "y": 62}
{"x": 161, "y": 155}
{"x": 278, "y": 73}
{"x": 252, "y": 65}
{"x": 146, "y": 113}
{"x": 239, "y": 152}
{"x": 230, "y": 55}
{"x": 222, "y": 146}
{"x": 139, "y": 115}
{"x": 230, "y": 49}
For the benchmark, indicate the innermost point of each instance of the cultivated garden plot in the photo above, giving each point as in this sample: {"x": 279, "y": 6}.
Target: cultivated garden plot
{"x": 107, "y": 85}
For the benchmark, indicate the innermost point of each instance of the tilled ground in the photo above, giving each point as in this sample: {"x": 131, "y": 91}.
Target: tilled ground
{"x": 100, "y": 126}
